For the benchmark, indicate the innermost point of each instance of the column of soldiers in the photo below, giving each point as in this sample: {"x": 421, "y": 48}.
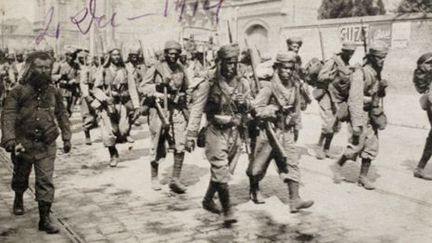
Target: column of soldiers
{"x": 247, "y": 108}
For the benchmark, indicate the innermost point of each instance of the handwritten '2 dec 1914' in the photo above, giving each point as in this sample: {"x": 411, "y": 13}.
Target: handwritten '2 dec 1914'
{"x": 87, "y": 17}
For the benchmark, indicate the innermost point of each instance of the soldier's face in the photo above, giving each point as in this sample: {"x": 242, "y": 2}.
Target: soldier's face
{"x": 285, "y": 70}
{"x": 347, "y": 54}
{"x": 229, "y": 67}
{"x": 42, "y": 67}
{"x": 295, "y": 47}
{"x": 427, "y": 66}
{"x": 378, "y": 61}
{"x": 172, "y": 55}
{"x": 116, "y": 57}
{"x": 68, "y": 58}
{"x": 133, "y": 58}
{"x": 19, "y": 58}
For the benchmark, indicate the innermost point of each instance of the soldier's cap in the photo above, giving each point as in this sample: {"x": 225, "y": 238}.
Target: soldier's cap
{"x": 349, "y": 46}
{"x": 286, "y": 57}
{"x": 70, "y": 50}
{"x": 228, "y": 51}
{"x": 172, "y": 45}
{"x": 378, "y": 48}
{"x": 425, "y": 58}
{"x": 295, "y": 39}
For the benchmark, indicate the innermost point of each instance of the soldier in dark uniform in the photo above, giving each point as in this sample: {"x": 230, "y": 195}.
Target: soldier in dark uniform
{"x": 422, "y": 81}
{"x": 224, "y": 97}
{"x": 166, "y": 83}
{"x": 32, "y": 114}
{"x": 279, "y": 103}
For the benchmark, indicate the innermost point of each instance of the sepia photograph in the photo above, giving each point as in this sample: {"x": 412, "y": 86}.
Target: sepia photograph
{"x": 138, "y": 121}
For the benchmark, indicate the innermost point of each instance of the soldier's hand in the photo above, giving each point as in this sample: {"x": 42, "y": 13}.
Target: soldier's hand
{"x": 136, "y": 114}
{"x": 190, "y": 145}
{"x": 10, "y": 146}
{"x": 239, "y": 99}
{"x": 19, "y": 149}
{"x": 159, "y": 95}
{"x": 67, "y": 146}
{"x": 357, "y": 130}
{"x": 236, "y": 120}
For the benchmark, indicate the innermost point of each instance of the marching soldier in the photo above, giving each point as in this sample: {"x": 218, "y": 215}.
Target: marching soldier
{"x": 165, "y": 84}
{"x": 224, "y": 97}
{"x": 116, "y": 102}
{"x": 32, "y": 114}
{"x": 87, "y": 79}
{"x": 279, "y": 104}
{"x": 422, "y": 80}
{"x": 332, "y": 87}
{"x": 66, "y": 77}
{"x": 366, "y": 115}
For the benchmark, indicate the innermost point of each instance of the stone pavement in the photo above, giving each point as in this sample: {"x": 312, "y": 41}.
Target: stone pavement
{"x": 103, "y": 204}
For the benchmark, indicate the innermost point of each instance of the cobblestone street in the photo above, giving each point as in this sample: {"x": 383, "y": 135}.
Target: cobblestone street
{"x": 96, "y": 203}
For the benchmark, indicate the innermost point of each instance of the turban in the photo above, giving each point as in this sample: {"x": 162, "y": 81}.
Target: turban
{"x": 378, "y": 48}
{"x": 286, "y": 57}
{"x": 228, "y": 51}
{"x": 83, "y": 53}
{"x": 349, "y": 46}
{"x": 427, "y": 57}
{"x": 172, "y": 45}
{"x": 134, "y": 50}
{"x": 295, "y": 39}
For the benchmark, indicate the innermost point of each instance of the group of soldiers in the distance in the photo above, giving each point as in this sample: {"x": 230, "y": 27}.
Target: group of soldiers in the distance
{"x": 251, "y": 106}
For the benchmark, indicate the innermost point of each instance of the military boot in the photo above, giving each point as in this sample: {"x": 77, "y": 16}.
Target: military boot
{"x": 45, "y": 223}
{"x": 208, "y": 203}
{"x": 419, "y": 173}
{"x": 155, "y": 185}
{"x": 295, "y": 202}
{"x": 175, "y": 184}
{"x": 327, "y": 143}
{"x": 87, "y": 137}
{"x": 321, "y": 140}
{"x": 363, "y": 180}
{"x": 254, "y": 192}
{"x": 114, "y": 156}
{"x": 18, "y": 206}
{"x": 224, "y": 197}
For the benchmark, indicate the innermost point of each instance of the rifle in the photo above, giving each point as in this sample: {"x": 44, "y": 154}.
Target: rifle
{"x": 271, "y": 135}
{"x": 363, "y": 33}
{"x": 142, "y": 52}
{"x": 321, "y": 44}
{"x": 229, "y": 33}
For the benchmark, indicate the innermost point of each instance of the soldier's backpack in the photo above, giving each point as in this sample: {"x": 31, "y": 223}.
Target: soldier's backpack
{"x": 311, "y": 71}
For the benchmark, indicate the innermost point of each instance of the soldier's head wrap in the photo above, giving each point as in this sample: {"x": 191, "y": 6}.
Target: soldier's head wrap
{"x": 378, "y": 48}
{"x": 295, "y": 39}
{"x": 172, "y": 45}
{"x": 425, "y": 58}
{"x": 349, "y": 46}
{"x": 286, "y": 57}
{"x": 28, "y": 65}
{"x": 83, "y": 53}
{"x": 228, "y": 52}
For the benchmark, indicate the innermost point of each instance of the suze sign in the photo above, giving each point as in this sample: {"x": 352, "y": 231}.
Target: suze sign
{"x": 353, "y": 33}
